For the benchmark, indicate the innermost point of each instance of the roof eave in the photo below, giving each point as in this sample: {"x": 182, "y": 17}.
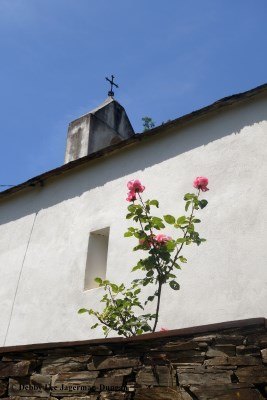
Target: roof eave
{"x": 215, "y": 107}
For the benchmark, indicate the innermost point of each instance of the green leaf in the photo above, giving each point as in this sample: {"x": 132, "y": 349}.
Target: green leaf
{"x": 156, "y": 220}
{"x": 181, "y": 220}
{"x": 82, "y": 311}
{"x": 187, "y": 205}
{"x": 138, "y": 247}
{"x": 114, "y": 288}
{"x": 146, "y": 328}
{"x": 196, "y": 221}
{"x": 140, "y": 263}
{"x": 98, "y": 280}
{"x": 129, "y": 216}
{"x": 183, "y": 259}
{"x": 169, "y": 275}
{"x": 191, "y": 228}
{"x": 169, "y": 219}
{"x": 202, "y": 203}
{"x": 170, "y": 245}
{"x": 145, "y": 281}
{"x": 154, "y": 203}
{"x": 128, "y": 234}
{"x": 159, "y": 226}
{"x": 189, "y": 196}
{"x": 136, "y": 268}
{"x": 181, "y": 240}
{"x": 94, "y": 326}
{"x": 174, "y": 285}
{"x": 157, "y": 223}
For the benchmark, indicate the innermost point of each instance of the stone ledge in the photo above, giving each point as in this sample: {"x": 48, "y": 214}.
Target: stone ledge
{"x": 226, "y": 364}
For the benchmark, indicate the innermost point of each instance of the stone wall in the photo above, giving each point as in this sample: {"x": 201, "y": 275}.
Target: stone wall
{"x": 222, "y": 361}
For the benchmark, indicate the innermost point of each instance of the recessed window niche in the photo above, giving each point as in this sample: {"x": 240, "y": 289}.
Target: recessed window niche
{"x": 96, "y": 263}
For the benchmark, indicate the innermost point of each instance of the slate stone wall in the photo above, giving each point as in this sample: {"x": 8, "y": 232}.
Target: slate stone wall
{"x": 223, "y": 364}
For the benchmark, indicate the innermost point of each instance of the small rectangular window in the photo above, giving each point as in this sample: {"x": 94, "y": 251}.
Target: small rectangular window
{"x": 96, "y": 263}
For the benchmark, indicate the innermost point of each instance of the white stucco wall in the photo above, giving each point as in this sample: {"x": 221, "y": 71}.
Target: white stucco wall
{"x": 44, "y": 233}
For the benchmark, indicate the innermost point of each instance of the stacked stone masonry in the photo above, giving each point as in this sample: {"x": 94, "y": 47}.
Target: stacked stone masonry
{"x": 226, "y": 364}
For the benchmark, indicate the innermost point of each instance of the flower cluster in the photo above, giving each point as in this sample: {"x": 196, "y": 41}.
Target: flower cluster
{"x": 134, "y": 187}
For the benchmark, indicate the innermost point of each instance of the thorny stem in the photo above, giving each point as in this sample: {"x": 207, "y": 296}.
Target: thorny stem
{"x": 185, "y": 233}
{"x": 157, "y": 268}
{"x": 103, "y": 322}
{"x": 151, "y": 232}
{"x": 158, "y": 304}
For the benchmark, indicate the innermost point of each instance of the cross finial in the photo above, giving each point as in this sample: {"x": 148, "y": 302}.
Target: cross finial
{"x": 111, "y": 93}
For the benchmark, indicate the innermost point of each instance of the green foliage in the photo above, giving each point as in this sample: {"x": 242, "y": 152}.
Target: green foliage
{"x": 123, "y": 310}
{"x": 169, "y": 219}
{"x": 148, "y": 123}
{"x": 120, "y": 308}
{"x": 174, "y": 285}
{"x": 202, "y": 203}
{"x": 82, "y": 311}
{"x": 153, "y": 203}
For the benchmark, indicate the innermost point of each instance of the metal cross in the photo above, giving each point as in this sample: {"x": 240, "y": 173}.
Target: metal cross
{"x": 111, "y": 93}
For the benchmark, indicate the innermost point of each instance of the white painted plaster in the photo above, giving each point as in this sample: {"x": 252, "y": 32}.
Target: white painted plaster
{"x": 14, "y": 240}
{"x": 225, "y": 278}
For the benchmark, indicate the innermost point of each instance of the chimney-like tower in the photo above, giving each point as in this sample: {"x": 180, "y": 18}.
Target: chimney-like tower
{"x": 105, "y": 125}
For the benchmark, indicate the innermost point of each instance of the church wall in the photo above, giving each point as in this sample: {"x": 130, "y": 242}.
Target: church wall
{"x": 49, "y": 227}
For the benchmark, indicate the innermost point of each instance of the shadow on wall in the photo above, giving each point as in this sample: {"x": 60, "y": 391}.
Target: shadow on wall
{"x": 153, "y": 150}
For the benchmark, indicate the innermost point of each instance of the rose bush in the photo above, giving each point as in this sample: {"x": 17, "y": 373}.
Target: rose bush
{"x": 123, "y": 309}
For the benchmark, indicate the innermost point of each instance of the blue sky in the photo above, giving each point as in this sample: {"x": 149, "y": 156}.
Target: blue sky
{"x": 169, "y": 58}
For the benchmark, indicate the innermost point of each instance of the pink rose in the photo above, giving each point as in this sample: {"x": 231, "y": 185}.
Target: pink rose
{"x": 163, "y": 330}
{"x": 162, "y": 239}
{"x": 201, "y": 183}
{"x": 135, "y": 186}
{"x": 131, "y": 196}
